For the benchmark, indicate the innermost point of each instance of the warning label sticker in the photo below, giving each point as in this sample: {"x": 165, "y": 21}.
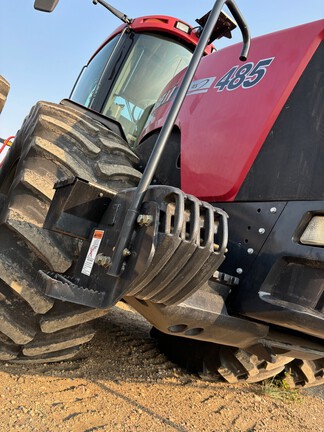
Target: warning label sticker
{"x": 92, "y": 252}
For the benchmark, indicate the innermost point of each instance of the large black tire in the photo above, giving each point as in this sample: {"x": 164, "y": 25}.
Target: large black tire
{"x": 4, "y": 90}
{"x": 55, "y": 142}
{"x": 233, "y": 365}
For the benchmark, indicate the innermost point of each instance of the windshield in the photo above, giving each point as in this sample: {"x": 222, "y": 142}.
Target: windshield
{"x": 152, "y": 62}
{"x": 85, "y": 89}
{"x": 124, "y": 80}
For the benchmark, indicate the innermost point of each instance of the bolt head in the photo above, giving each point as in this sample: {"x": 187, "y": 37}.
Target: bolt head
{"x": 103, "y": 261}
{"x": 239, "y": 270}
{"x": 144, "y": 220}
{"x": 250, "y": 251}
{"x": 126, "y": 252}
{"x": 261, "y": 230}
{"x": 273, "y": 210}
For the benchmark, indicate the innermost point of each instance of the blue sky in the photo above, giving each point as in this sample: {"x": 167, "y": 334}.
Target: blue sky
{"x": 42, "y": 54}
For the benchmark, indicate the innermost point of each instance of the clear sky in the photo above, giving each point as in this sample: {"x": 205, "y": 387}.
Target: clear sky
{"x": 42, "y": 54}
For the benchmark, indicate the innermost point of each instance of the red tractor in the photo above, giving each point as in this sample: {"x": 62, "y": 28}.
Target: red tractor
{"x": 220, "y": 246}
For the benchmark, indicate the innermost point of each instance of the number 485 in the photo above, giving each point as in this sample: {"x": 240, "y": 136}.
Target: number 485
{"x": 245, "y": 76}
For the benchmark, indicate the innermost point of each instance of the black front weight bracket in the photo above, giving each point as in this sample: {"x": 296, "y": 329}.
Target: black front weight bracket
{"x": 177, "y": 244}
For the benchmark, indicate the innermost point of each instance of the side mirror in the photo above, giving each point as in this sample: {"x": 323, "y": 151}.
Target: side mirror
{"x": 45, "y": 5}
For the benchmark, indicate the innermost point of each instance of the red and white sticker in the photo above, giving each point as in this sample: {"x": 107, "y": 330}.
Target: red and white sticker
{"x": 92, "y": 252}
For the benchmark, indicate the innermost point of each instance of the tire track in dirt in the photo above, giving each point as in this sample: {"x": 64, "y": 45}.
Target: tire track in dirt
{"x": 121, "y": 382}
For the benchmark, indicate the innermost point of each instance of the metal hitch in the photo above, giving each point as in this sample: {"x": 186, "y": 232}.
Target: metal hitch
{"x": 177, "y": 244}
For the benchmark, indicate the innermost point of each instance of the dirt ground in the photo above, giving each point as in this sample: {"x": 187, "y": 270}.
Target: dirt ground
{"x": 121, "y": 382}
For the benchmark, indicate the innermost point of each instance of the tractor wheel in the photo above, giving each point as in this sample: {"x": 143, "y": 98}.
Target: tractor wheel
{"x": 54, "y": 143}
{"x": 223, "y": 363}
{"x": 4, "y": 90}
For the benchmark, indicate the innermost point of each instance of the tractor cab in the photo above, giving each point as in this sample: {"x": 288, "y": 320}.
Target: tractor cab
{"x": 127, "y": 74}
{"x": 125, "y": 77}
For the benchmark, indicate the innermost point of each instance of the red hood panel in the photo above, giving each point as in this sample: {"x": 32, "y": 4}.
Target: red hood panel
{"x": 224, "y": 127}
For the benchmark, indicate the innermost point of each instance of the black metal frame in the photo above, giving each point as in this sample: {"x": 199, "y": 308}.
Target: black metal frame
{"x": 176, "y": 246}
{"x": 281, "y": 280}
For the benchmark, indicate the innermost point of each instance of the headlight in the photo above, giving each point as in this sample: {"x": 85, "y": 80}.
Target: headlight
{"x": 182, "y": 26}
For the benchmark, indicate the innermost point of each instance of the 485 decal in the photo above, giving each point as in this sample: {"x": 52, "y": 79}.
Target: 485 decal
{"x": 246, "y": 76}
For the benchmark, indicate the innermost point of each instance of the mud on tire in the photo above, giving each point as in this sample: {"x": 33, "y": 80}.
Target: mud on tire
{"x": 233, "y": 365}
{"x": 54, "y": 143}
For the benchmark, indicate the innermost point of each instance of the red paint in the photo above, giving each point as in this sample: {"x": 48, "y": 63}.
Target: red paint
{"x": 159, "y": 24}
{"x": 6, "y": 142}
{"x": 222, "y": 132}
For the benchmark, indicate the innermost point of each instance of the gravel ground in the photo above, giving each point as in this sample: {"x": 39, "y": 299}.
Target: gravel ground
{"x": 121, "y": 382}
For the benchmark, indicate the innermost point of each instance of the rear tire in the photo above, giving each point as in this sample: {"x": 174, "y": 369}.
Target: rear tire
{"x": 54, "y": 143}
